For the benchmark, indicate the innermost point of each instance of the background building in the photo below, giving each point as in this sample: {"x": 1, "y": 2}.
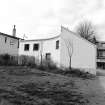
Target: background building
{"x": 101, "y": 55}
{"x": 9, "y": 44}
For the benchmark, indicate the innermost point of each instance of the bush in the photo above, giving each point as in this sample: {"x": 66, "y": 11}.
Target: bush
{"x": 7, "y": 59}
{"x": 22, "y": 60}
{"x": 26, "y": 60}
{"x": 52, "y": 65}
{"x": 78, "y": 73}
{"x": 47, "y": 65}
{"x": 68, "y": 72}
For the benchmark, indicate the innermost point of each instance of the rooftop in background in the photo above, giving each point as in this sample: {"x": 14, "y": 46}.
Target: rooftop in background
{"x": 9, "y": 35}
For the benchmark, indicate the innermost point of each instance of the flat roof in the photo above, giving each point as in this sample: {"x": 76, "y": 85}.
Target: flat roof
{"x": 42, "y": 39}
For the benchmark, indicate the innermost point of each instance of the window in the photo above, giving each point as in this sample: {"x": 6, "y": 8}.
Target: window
{"x": 26, "y": 47}
{"x": 5, "y": 39}
{"x": 36, "y": 47}
{"x": 57, "y": 44}
{"x": 12, "y": 42}
{"x": 48, "y": 56}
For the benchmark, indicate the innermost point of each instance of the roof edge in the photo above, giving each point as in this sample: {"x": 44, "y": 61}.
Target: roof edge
{"x": 43, "y": 39}
{"x": 62, "y": 27}
{"x": 9, "y": 35}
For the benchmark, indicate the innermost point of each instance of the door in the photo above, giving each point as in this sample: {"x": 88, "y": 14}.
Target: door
{"x": 48, "y": 56}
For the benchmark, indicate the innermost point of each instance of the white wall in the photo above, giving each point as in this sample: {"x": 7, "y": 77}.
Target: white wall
{"x": 49, "y": 46}
{"x": 7, "y": 47}
{"x": 30, "y": 52}
{"x": 84, "y": 52}
{"x": 46, "y": 46}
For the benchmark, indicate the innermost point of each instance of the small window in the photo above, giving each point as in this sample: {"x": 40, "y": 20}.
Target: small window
{"x": 26, "y": 47}
{"x": 48, "y": 56}
{"x": 5, "y": 39}
{"x": 57, "y": 44}
{"x": 12, "y": 42}
{"x": 36, "y": 47}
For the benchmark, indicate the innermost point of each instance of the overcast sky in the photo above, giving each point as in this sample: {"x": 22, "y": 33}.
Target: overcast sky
{"x": 43, "y": 18}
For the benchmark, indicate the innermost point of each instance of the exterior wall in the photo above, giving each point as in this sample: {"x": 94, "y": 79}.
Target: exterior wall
{"x": 45, "y": 46}
{"x": 30, "y": 52}
{"x": 8, "y": 47}
{"x": 84, "y": 52}
{"x": 50, "y": 47}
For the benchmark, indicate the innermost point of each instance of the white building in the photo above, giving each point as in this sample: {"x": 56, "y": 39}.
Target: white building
{"x": 47, "y": 48}
{"x": 9, "y": 44}
{"x": 60, "y": 48}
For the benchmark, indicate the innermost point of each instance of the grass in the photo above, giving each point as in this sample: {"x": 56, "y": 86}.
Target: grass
{"x": 55, "y": 93}
{"x": 52, "y": 95}
{"x": 70, "y": 73}
{"x": 25, "y": 86}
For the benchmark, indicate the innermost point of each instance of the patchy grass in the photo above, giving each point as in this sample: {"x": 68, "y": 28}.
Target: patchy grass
{"x": 42, "y": 94}
{"x": 70, "y": 73}
{"x": 55, "y": 93}
{"x": 23, "y": 86}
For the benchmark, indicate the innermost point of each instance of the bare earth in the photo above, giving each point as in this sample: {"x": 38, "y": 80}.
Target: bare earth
{"x": 19, "y": 86}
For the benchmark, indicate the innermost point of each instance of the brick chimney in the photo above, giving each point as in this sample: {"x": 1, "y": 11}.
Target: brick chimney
{"x": 14, "y": 31}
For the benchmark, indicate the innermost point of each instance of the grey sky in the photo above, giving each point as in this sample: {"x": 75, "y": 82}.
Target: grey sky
{"x": 43, "y": 18}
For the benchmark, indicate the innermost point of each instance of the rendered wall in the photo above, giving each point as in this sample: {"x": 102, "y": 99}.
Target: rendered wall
{"x": 84, "y": 53}
{"x": 49, "y": 46}
{"x": 8, "y": 47}
{"x": 45, "y": 46}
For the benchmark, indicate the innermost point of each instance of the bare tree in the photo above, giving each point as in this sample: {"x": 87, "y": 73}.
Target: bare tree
{"x": 86, "y": 30}
{"x": 69, "y": 46}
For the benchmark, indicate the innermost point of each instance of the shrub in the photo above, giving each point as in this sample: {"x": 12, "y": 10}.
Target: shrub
{"x": 78, "y": 73}
{"x": 23, "y": 60}
{"x": 52, "y": 65}
{"x": 6, "y": 59}
{"x": 26, "y": 60}
{"x": 47, "y": 65}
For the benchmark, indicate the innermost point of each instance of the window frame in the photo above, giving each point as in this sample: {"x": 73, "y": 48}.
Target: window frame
{"x": 36, "y": 48}
{"x": 25, "y": 49}
{"x": 57, "y": 44}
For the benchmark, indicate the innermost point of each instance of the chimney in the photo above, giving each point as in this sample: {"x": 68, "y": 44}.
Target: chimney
{"x": 14, "y": 31}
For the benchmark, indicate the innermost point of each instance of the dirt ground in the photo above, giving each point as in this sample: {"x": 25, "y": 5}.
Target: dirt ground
{"x": 24, "y": 86}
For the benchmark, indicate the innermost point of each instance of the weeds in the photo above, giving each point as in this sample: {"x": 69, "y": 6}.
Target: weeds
{"x": 58, "y": 96}
{"x": 71, "y": 73}
{"x": 49, "y": 66}
{"x": 7, "y": 60}
{"x": 35, "y": 94}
